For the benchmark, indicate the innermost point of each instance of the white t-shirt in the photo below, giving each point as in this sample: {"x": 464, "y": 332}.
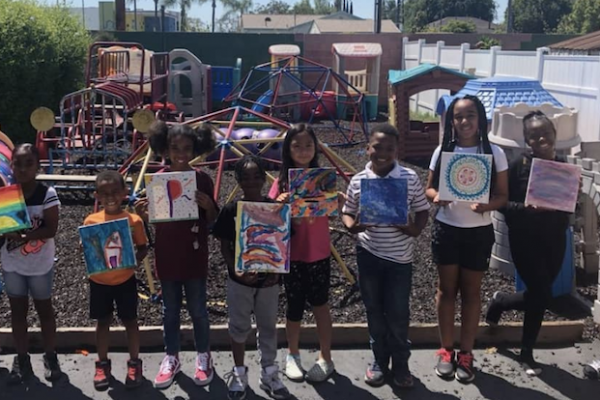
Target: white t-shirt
{"x": 459, "y": 213}
{"x": 34, "y": 257}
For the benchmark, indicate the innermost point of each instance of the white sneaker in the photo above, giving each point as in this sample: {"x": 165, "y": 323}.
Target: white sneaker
{"x": 169, "y": 368}
{"x": 293, "y": 367}
{"x": 237, "y": 383}
{"x": 270, "y": 383}
{"x": 321, "y": 371}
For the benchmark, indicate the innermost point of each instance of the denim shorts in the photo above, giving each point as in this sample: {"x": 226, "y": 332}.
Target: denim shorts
{"x": 38, "y": 286}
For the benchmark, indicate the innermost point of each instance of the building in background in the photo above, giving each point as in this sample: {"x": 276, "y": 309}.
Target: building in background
{"x": 586, "y": 45}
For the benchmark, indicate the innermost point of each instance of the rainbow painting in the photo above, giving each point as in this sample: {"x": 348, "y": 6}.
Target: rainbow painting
{"x": 313, "y": 192}
{"x": 13, "y": 210}
{"x": 553, "y": 185}
{"x": 107, "y": 246}
{"x": 263, "y": 237}
{"x": 171, "y": 196}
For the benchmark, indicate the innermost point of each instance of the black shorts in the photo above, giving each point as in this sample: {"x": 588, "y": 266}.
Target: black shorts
{"x": 306, "y": 283}
{"x": 470, "y": 248}
{"x": 104, "y": 297}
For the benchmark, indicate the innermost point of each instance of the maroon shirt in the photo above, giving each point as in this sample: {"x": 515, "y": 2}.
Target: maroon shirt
{"x": 175, "y": 256}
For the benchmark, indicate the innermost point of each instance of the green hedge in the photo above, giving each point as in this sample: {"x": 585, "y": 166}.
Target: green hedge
{"x": 43, "y": 51}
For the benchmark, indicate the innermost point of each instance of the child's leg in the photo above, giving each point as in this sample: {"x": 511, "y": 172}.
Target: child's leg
{"x": 195, "y": 296}
{"x": 102, "y": 337}
{"x": 41, "y": 292}
{"x": 240, "y": 301}
{"x": 172, "y": 297}
{"x": 446, "y": 302}
{"x": 319, "y": 276}
{"x": 372, "y": 282}
{"x": 324, "y": 330}
{"x": 470, "y": 293}
{"x": 265, "y": 311}
{"x": 126, "y": 298}
{"x": 296, "y": 301}
{"x": 133, "y": 338}
{"x": 17, "y": 289}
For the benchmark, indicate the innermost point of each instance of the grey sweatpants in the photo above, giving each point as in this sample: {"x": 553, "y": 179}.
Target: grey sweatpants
{"x": 242, "y": 301}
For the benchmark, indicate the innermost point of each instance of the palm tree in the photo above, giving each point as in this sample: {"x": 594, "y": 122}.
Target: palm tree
{"x": 184, "y": 6}
{"x": 233, "y": 7}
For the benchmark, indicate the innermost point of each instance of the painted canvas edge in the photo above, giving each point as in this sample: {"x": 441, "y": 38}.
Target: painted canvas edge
{"x": 447, "y": 194}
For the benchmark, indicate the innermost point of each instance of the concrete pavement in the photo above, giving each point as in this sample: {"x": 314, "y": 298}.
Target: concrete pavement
{"x": 499, "y": 378}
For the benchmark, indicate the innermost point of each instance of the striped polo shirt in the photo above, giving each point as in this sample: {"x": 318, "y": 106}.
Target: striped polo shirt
{"x": 387, "y": 242}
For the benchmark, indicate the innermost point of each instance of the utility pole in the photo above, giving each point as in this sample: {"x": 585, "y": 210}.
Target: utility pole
{"x": 378, "y": 15}
{"x": 509, "y": 18}
{"x": 214, "y": 7}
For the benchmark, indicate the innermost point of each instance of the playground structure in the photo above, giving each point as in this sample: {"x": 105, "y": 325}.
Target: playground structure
{"x": 281, "y": 89}
{"x": 189, "y": 83}
{"x": 365, "y": 61}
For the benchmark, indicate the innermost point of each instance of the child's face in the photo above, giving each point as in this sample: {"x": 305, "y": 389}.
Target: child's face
{"x": 541, "y": 137}
{"x": 252, "y": 181}
{"x": 382, "y": 152}
{"x": 181, "y": 152}
{"x": 302, "y": 150}
{"x": 25, "y": 166}
{"x": 110, "y": 194}
{"x": 466, "y": 122}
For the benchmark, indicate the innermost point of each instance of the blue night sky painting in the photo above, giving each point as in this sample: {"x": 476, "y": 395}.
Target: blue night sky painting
{"x": 383, "y": 202}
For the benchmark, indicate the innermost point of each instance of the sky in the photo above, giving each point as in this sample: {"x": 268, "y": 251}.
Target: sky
{"x": 362, "y": 8}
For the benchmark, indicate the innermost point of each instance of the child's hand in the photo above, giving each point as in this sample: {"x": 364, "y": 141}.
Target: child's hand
{"x": 441, "y": 203}
{"x": 141, "y": 208}
{"x": 13, "y": 236}
{"x": 204, "y": 201}
{"x": 410, "y": 230}
{"x": 356, "y": 227}
{"x": 341, "y": 198}
{"x": 537, "y": 209}
{"x": 283, "y": 197}
{"x": 479, "y": 208}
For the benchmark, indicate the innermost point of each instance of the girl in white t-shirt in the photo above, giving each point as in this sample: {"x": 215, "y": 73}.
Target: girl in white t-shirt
{"x": 463, "y": 236}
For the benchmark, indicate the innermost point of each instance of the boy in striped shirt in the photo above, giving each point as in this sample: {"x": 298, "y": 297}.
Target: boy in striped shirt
{"x": 384, "y": 256}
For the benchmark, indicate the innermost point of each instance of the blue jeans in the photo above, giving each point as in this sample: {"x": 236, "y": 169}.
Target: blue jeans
{"x": 195, "y": 296}
{"x": 385, "y": 289}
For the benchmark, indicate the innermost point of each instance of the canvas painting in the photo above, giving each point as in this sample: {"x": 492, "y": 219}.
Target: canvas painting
{"x": 263, "y": 237}
{"x": 383, "y": 202}
{"x": 313, "y": 192}
{"x": 553, "y": 185}
{"x": 13, "y": 210}
{"x": 107, "y": 246}
{"x": 465, "y": 177}
{"x": 171, "y": 196}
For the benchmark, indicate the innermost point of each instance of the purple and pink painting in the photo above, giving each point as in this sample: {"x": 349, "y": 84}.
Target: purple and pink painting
{"x": 553, "y": 185}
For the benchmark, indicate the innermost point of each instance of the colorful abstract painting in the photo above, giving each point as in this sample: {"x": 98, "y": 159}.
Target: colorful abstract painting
{"x": 465, "y": 177}
{"x": 383, "y": 202}
{"x": 553, "y": 185}
{"x": 313, "y": 192}
{"x": 107, "y": 246}
{"x": 171, "y": 196}
{"x": 13, "y": 211}
{"x": 263, "y": 237}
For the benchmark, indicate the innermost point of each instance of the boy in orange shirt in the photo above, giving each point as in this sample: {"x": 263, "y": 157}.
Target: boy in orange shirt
{"x": 116, "y": 287}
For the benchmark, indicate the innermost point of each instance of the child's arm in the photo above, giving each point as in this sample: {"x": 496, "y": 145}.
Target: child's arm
{"x": 416, "y": 226}
{"x": 351, "y": 223}
{"x": 47, "y": 231}
{"x": 208, "y": 205}
{"x": 228, "y": 254}
{"x": 350, "y": 209}
{"x": 141, "y": 252}
{"x": 141, "y": 208}
{"x": 499, "y": 198}
{"x": 432, "y": 193}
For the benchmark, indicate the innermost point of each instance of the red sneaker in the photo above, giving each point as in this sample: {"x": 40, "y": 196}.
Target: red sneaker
{"x": 204, "y": 369}
{"x": 169, "y": 368}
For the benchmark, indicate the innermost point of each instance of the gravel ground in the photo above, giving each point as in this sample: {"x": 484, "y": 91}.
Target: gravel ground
{"x": 71, "y": 288}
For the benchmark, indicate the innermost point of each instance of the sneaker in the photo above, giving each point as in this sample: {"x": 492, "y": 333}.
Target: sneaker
{"x": 321, "y": 371}
{"x": 375, "y": 376}
{"x": 530, "y": 366}
{"x": 134, "y": 377}
{"x": 21, "y": 369}
{"x": 102, "y": 375}
{"x": 293, "y": 368}
{"x": 52, "y": 370}
{"x": 270, "y": 383}
{"x": 404, "y": 380}
{"x": 169, "y": 368}
{"x": 204, "y": 369}
{"x": 465, "y": 372}
{"x": 237, "y": 383}
{"x": 446, "y": 364}
{"x": 494, "y": 311}
{"x": 592, "y": 370}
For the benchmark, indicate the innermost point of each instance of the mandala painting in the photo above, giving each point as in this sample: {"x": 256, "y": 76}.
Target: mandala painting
{"x": 465, "y": 177}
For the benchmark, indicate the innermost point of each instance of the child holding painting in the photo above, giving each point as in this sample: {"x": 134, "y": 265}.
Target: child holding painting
{"x": 116, "y": 287}
{"x": 463, "y": 236}
{"x": 537, "y": 239}
{"x": 181, "y": 251}
{"x": 310, "y": 269}
{"x": 28, "y": 266}
{"x": 384, "y": 256}
{"x": 250, "y": 293}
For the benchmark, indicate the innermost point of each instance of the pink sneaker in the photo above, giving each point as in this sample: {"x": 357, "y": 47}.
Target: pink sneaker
{"x": 204, "y": 369}
{"x": 169, "y": 368}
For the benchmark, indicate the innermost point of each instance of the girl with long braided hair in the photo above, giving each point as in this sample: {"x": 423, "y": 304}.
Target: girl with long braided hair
{"x": 463, "y": 236}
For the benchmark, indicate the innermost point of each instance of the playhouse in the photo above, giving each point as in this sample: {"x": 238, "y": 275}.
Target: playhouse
{"x": 359, "y": 64}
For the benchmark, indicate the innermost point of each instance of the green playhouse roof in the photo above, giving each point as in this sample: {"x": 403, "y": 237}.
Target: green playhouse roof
{"x": 398, "y": 76}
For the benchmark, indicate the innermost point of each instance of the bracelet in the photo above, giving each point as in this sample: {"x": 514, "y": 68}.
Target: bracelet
{"x": 24, "y": 236}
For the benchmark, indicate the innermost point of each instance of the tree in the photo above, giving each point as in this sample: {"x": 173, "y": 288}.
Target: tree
{"x": 232, "y": 8}
{"x": 323, "y": 7}
{"x": 303, "y": 7}
{"x": 584, "y": 18}
{"x": 486, "y": 43}
{"x": 459, "y": 27}
{"x": 274, "y": 7}
{"x": 538, "y": 16}
{"x": 184, "y": 6}
{"x": 320, "y": 7}
{"x": 419, "y": 13}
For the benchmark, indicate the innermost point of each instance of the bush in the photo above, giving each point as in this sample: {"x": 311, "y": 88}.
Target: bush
{"x": 43, "y": 51}
{"x": 459, "y": 27}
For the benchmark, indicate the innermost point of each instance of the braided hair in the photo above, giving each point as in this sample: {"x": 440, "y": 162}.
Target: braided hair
{"x": 246, "y": 160}
{"x": 450, "y": 137}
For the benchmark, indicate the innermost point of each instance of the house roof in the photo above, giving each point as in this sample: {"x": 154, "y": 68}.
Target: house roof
{"x": 481, "y": 25}
{"x": 398, "y": 76}
{"x": 275, "y": 21}
{"x": 591, "y": 41}
{"x": 353, "y": 26}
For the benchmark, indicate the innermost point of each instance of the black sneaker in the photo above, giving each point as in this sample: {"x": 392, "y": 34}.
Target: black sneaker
{"x": 592, "y": 370}
{"x": 52, "y": 370}
{"x": 530, "y": 366}
{"x": 21, "y": 369}
{"x": 494, "y": 310}
{"x": 375, "y": 375}
{"x": 446, "y": 364}
{"x": 465, "y": 372}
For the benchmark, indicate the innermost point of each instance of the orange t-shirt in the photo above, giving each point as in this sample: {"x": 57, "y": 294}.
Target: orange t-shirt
{"x": 116, "y": 277}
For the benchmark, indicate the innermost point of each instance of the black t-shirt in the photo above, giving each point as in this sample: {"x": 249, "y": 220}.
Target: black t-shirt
{"x": 224, "y": 228}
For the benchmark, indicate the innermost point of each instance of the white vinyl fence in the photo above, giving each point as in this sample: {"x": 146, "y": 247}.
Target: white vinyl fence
{"x": 573, "y": 80}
